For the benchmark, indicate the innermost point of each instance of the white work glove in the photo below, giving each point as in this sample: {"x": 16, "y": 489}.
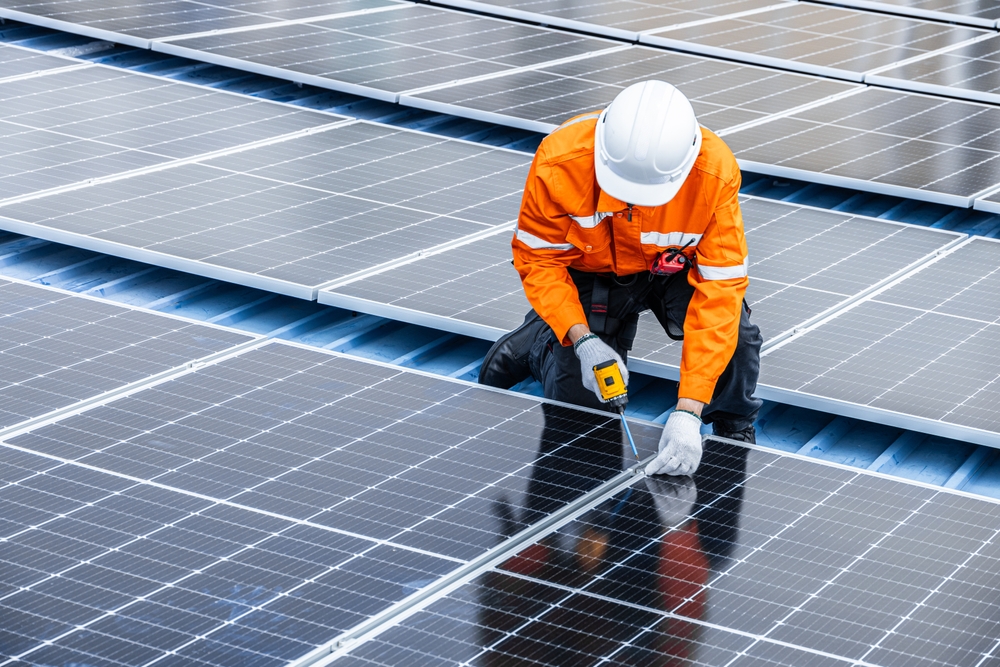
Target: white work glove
{"x": 680, "y": 446}
{"x": 591, "y": 352}
{"x": 673, "y": 498}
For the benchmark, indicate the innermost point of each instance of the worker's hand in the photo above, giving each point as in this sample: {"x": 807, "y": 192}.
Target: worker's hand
{"x": 673, "y": 498}
{"x": 680, "y": 446}
{"x": 592, "y": 351}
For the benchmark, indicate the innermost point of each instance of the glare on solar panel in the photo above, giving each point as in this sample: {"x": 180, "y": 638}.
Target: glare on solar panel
{"x": 622, "y": 19}
{"x": 828, "y": 41}
{"x": 979, "y": 13}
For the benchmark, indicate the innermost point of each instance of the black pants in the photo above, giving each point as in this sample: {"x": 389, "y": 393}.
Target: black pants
{"x": 733, "y": 406}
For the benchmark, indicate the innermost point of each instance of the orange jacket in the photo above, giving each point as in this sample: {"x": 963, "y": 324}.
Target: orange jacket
{"x": 567, "y": 221}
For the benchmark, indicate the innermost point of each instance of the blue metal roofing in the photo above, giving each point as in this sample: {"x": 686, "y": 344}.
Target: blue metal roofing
{"x": 852, "y": 442}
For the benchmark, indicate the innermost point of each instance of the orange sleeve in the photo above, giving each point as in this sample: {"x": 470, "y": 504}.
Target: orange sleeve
{"x": 711, "y": 328}
{"x": 542, "y": 254}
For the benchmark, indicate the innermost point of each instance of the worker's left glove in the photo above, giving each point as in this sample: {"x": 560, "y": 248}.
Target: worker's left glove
{"x": 680, "y": 446}
{"x": 592, "y": 351}
{"x": 673, "y": 497}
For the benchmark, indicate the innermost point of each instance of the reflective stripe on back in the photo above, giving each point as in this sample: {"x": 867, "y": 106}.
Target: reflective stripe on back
{"x": 670, "y": 238}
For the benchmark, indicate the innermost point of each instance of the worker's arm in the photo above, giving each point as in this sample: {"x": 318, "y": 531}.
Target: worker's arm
{"x": 542, "y": 254}
{"x": 711, "y": 328}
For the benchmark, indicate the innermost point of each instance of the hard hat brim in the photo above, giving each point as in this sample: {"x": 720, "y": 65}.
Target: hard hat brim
{"x": 635, "y": 193}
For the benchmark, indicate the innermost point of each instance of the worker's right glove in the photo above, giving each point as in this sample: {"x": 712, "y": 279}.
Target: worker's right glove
{"x": 592, "y": 351}
{"x": 680, "y": 446}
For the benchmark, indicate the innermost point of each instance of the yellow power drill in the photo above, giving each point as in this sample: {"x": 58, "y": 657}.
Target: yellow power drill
{"x": 615, "y": 393}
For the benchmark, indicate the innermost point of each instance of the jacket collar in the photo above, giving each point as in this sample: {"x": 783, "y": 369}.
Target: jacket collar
{"x": 606, "y": 202}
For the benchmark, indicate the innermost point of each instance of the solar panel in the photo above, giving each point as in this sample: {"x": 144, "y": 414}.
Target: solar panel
{"x": 982, "y": 13}
{"x": 255, "y": 508}
{"x": 383, "y": 54}
{"x": 971, "y": 72}
{"x": 882, "y": 141}
{"x": 919, "y": 353}
{"x": 828, "y": 41}
{"x": 622, "y": 19}
{"x": 57, "y": 349}
{"x": 69, "y": 127}
{"x": 17, "y": 62}
{"x": 724, "y": 94}
{"x": 295, "y": 215}
{"x": 804, "y": 262}
{"x": 761, "y": 559}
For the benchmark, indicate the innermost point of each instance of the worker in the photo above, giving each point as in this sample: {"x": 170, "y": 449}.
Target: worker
{"x": 625, "y": 209}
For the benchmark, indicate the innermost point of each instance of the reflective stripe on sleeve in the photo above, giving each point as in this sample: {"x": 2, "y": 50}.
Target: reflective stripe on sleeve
{"x": 536, "y": 243}
{"x": 723, "y": 272}
{"x": 669, "y": 239}
{"x": 590, "y": 221}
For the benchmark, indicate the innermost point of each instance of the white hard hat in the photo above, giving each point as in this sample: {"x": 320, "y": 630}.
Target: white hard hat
{"x": 646, "y": 143}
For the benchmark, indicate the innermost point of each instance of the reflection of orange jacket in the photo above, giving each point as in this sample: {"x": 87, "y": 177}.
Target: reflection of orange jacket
{"x": 567, "y": 221}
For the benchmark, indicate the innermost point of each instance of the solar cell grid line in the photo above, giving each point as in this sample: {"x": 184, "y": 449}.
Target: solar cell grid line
{"x": 102, "y": 570}
{"x": 381, "y": 55}
{"x": 72, "y": 128}
{"x": 292, "y": 216}
{"x": 969, "y": 72}
{"x": 427, "y": 469}
{"x": 619, "y": 19}
{"x": 804, "y": 262}
{"x": 889, "y": 142}
{"x": 919, "y": 352}
{"x": 978, "y": 13}
{"x": 760, "y": 558}
{"x": 816, "y": 39}
{"x": 57, "y": 348}
{"x": 724, "y": 94}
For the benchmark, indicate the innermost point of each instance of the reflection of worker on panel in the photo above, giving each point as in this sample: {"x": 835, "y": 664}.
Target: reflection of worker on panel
{"x": 654, "y": 545}
{"x": 632, "y": 208}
